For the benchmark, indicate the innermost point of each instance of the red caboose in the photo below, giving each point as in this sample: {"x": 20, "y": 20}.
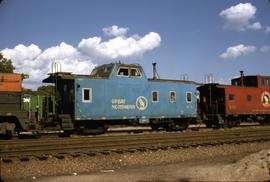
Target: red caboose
{"x": 246, "y": 99}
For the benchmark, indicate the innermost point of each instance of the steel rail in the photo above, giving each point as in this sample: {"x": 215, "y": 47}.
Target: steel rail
{"x": 84, "y": 144}
{"x": 83, "y": 139}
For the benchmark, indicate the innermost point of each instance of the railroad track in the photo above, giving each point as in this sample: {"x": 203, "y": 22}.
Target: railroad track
{"x": 136, "y": 129}
{"x": 76, "y": 146}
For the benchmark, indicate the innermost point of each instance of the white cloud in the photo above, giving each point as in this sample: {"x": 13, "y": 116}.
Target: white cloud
{"x": 115, "y": 31}
{"x": 265, "y": 49}
{"x": 236, "y": 51}
{"x": 58, "y": 52}
{"x": 119, "y": 47}
{"x": 36, "y": 63}
{"x": 21, "y": 52}
{"x": 255, "y": 26}
{"x": 238, "y": 17}
{"x": 267, "y": 30}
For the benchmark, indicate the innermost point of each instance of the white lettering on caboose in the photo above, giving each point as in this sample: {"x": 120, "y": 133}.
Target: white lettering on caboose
{"x": 120, "y": 104}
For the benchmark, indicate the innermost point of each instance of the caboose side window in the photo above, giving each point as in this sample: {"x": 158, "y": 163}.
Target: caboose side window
{"x": 154, "y": 96}
{"x": 265, "y": 82}
{"x": 122, "y": 72}
{"x": 249, "y": 98}
{"x": 134, "y": 72}
{"x": 231, "y": 97}
{"x": 188, "y": 97}
{"x": 87, "y": 95}
{"x": 172, "y": 96}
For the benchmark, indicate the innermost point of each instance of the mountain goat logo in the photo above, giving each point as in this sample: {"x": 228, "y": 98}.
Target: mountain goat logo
{"x": 141, "y": 103}
{"x": 265, "y": 99}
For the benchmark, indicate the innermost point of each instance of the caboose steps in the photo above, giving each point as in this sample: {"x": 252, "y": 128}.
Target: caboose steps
{"x": 66, "y": 124}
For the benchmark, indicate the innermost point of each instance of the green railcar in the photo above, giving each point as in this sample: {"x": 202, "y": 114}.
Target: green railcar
{"x": 39, "y": 107}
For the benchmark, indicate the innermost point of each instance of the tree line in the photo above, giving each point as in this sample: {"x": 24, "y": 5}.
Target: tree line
{"x": 6, "y": 65}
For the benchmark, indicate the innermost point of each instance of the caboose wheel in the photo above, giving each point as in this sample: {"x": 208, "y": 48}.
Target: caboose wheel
{"x": 208, "y": 124}
{"x": 183, "y": 126}
{"x": 237, "y": 123}
{"x": 6, "y": 136}
{"x": 66, "y": 133}
{"x": 173, "y": 126}
{"x": 97, "y": 130}
{"x": 154, "y": 126}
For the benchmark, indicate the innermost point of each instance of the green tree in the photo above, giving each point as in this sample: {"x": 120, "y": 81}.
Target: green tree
{"x": 6, "y": 65}
{"x": 46, "y": 90}
{"x": 42, "y": 90}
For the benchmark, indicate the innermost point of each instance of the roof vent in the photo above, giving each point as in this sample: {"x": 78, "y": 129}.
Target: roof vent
{"x": 242, "y": 78}
{"x": 155, "y": 74}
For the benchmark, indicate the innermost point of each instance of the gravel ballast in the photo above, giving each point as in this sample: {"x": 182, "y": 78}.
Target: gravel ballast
{"x": 79, "y": 166}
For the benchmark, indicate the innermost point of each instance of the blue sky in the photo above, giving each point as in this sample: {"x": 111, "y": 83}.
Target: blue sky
{"x": 183, "y": 36}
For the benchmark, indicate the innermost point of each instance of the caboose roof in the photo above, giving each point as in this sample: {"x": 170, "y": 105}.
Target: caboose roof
{"x": 251, "y": 81}
{"x": 63, "y": 75}
{"x": 169, "y": 80}
{"x": 99, "y": 72}
{"x": 104, "y": 72}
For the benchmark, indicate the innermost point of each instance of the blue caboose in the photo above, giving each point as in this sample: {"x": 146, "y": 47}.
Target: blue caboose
{"x": 119, "y": 93}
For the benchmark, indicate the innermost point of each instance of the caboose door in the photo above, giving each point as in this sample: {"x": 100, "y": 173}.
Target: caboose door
{"x": 65, "y": 97}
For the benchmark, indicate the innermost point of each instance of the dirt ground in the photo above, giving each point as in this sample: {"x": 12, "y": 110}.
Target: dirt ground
{"x": 239, "y": 162}
{"x": 253, "y": 167}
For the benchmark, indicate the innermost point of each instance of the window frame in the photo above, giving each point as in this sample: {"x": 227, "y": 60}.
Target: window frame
{"x": 249, "y": 98}
{"x": 137, "y": 70}
{"x": 90, "y": 95}
{"x": 153, "y": 97}
{"x": 119, "y": 71}
{"x": 129, "y": 72}
{"x": 187, "y": 101}
{"x": 170, "y": 98}
{"x": 231, "y": 97}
